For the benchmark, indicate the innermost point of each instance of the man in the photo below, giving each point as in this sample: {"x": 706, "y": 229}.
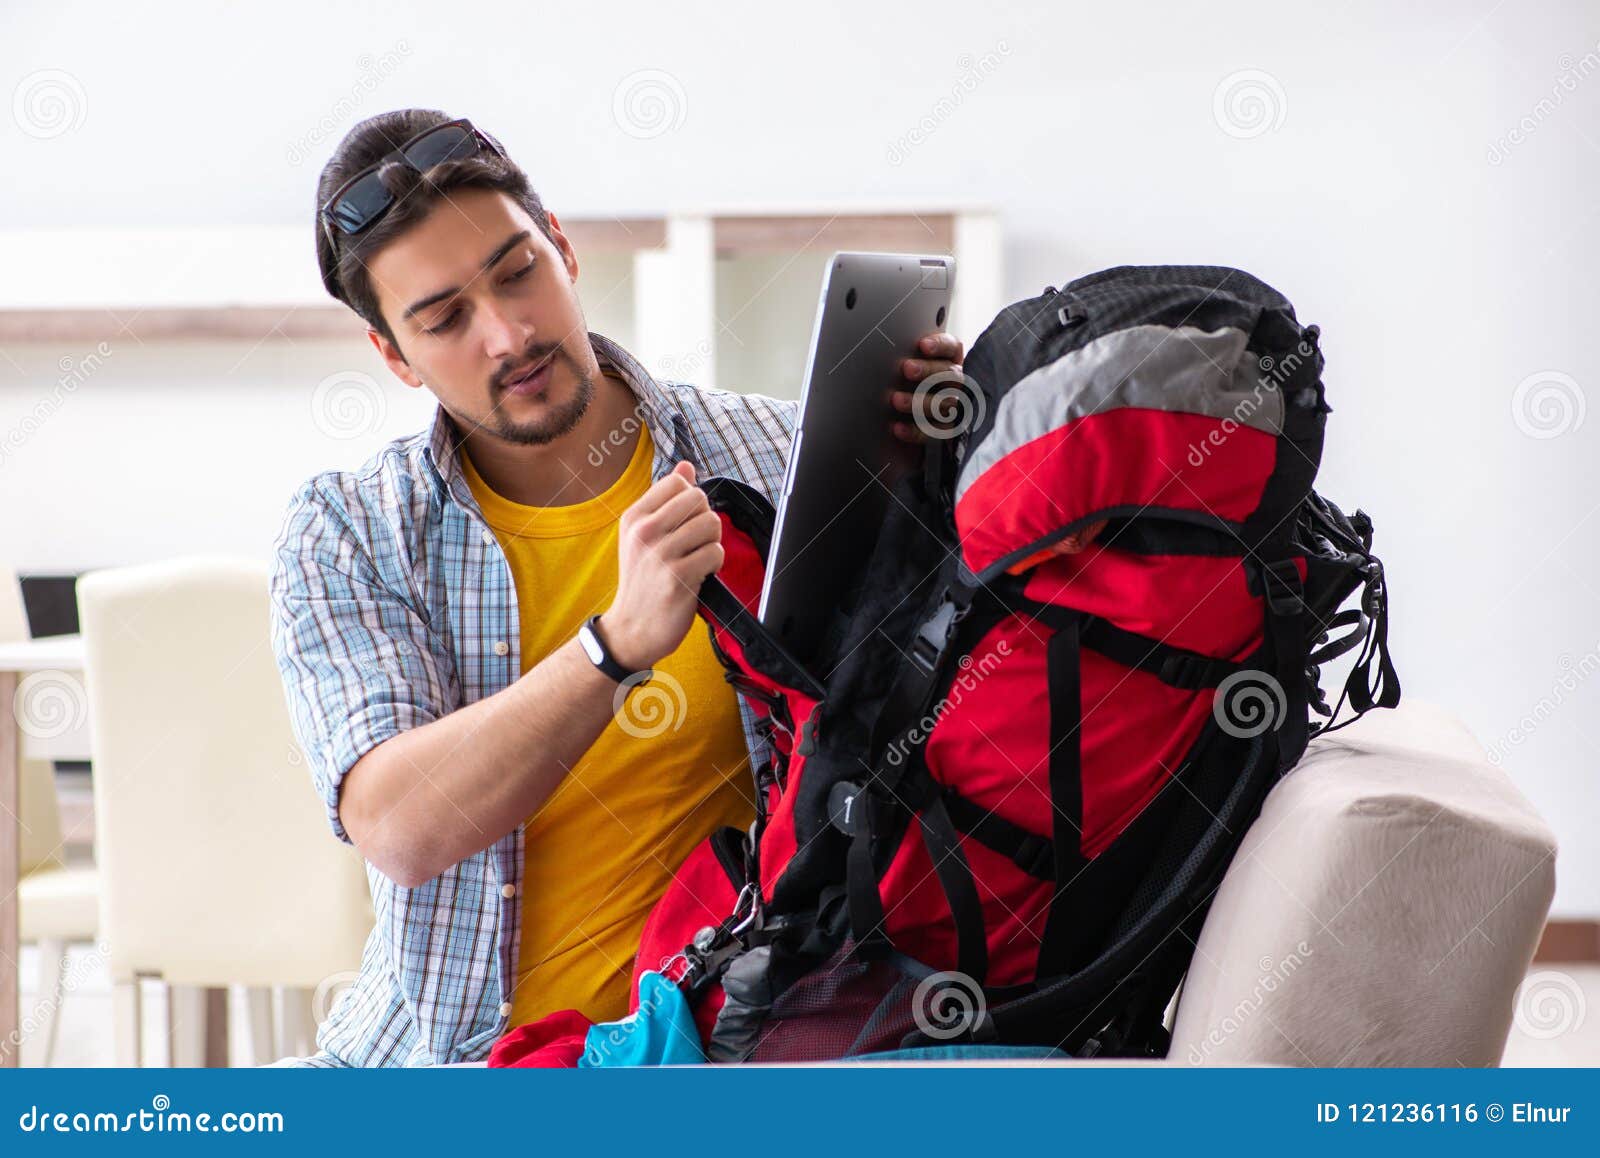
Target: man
{"x": 521, "y": 795}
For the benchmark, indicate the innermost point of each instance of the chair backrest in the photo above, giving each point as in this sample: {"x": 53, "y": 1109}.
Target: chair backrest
{"x": 36, "y": 789}
{"x": 216, "y": 861}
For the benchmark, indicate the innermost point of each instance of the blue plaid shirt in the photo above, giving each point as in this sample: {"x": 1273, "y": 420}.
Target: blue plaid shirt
{"x": 392, "y": 605}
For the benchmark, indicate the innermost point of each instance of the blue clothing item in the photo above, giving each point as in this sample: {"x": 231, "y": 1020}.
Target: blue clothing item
{"x": 392, "y": 605}
{"x": 661, "y": 1032}
{"x": 939, "y": 1053}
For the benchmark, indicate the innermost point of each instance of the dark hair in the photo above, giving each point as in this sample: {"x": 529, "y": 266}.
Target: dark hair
{"x": 415, "y": 195}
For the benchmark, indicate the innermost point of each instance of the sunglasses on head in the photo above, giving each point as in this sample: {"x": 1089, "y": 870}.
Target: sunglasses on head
{"x": 363, "y": 199}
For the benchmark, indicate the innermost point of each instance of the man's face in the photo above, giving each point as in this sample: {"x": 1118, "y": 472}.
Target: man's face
{"x": 477, "y": 297}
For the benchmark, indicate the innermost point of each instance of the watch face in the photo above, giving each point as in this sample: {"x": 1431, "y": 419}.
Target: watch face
{"x": 591, "y": 645}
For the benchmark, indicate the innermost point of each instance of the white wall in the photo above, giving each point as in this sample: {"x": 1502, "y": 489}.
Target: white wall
{"x": 1446, "y": 261}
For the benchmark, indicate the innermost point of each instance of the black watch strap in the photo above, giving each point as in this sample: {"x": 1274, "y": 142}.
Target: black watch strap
{"x": 600, "y": 655}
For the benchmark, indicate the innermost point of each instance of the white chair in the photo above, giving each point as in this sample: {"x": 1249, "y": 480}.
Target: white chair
{"x": 217, "y": 868}
{"x": 57, "y": 902}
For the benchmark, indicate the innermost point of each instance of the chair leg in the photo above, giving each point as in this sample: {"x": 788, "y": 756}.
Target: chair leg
{"x": 52, "y": 991}
{"x": 258, "y": 1000}
{"x": 297, "y": 1022}
{"x": 186, "y": 1026}
{"x": 217, "y": 1024}
{"x": 130, "y": 1031}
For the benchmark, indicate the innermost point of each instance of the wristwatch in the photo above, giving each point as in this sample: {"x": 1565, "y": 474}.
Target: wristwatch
{"x": 600, "y": 655}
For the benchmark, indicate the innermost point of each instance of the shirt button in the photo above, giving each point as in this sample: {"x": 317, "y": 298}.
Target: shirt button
{"x": 505, "y": 1009}
{"x": 501, "y": 647}
{"x": 488, "y": 537}
{"x": 508, "y": 891}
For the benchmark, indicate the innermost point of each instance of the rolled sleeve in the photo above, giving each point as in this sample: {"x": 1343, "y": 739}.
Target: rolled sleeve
{"x": 356, "y": 659}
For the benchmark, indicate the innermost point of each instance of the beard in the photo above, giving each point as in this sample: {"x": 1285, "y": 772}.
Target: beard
{"x": 562, "y": 418}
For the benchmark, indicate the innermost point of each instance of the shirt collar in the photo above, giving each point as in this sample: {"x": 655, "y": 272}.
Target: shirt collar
{"x": 669, "y": 428}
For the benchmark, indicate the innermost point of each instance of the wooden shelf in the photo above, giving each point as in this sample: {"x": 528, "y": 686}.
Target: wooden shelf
{"x": 911, "y": 233}
{"x": 218, "y": 323}
{"x": 673, "y": 263}
{"x": 302, "y": 321}
{"x": 615, "y": 234}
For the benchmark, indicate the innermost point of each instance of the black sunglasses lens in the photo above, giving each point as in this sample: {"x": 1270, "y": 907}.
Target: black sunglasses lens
{"x": 447, "y": 144}
{"x": 360, "y": 203}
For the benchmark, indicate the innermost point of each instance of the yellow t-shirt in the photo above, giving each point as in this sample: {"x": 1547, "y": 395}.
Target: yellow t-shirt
{"x": 669, "y": 770}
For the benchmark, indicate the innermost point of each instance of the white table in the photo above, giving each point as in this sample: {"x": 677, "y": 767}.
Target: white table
{"x": 61, "y": 653}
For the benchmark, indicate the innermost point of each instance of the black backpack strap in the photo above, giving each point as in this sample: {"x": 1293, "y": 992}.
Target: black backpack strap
{"x": 1174, "y": 666}
{"x": 1366, "y": 694}
{"x": 1287, "y": 649}
{"x": 862, "y": 814}
{"x": 761, "y": 648}
{"x": 918, "y": 678}
{"x": 864, "y": 901}
{"x": 1137, "y": 1027}
{"x": 1361, "y": 691}
{"x": 1062, "y": 656}
{"x": 1224, "y": 793}
{"x": 939, "y": 469}
{"x": 959, "y": 885}
{"x": 866, "y": 810}
{"x": 860, "y": 808}
{"x": 1030, "y": 852}
{"x": 1353, "y": 618}
{"x": 1177, "y": 667}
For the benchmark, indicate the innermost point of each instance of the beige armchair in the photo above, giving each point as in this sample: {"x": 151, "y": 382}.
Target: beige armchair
{"x": 1382, "y": 910}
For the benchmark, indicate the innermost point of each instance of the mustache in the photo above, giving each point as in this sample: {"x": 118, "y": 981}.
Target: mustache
{"x": 531, "y": 358}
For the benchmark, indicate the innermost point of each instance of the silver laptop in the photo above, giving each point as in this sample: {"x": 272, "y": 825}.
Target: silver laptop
{"x": 845, "y": 458}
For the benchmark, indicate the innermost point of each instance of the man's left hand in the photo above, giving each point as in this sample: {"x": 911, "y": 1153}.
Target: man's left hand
{"x": 938, "y": 352}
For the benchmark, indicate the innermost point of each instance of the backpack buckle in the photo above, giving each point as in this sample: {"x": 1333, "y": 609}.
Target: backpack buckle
{"x": 1192, "y": 672}
{"x": 1280, "y": 582}
{"x": 933, "y": 637}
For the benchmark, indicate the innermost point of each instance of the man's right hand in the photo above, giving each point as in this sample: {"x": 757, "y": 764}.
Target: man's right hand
{"x": 500, "y": 757}
{"x": 668, "y": 543}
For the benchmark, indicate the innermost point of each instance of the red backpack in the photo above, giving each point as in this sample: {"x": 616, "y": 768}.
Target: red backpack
{"x": 1003, "y": 795}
